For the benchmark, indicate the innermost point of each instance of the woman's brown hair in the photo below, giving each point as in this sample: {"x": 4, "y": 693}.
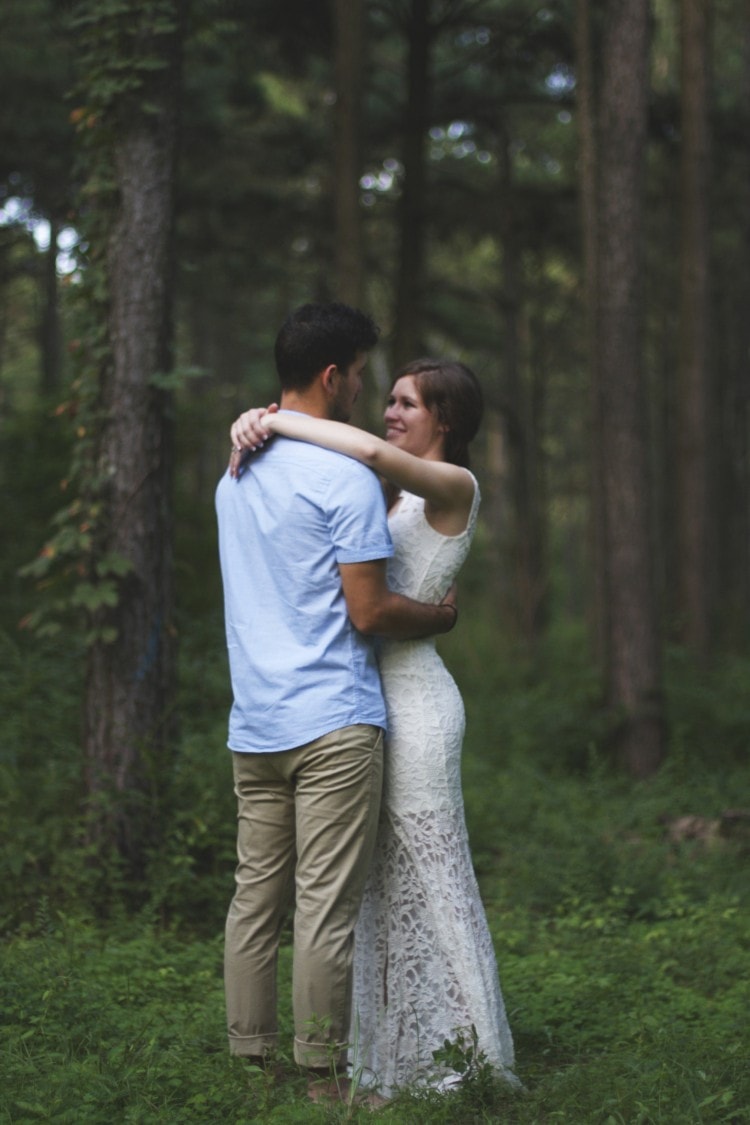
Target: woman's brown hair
{"x": 451, "y": 390}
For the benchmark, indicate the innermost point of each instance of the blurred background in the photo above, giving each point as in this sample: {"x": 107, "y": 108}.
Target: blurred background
{"x": 557, "y": 194}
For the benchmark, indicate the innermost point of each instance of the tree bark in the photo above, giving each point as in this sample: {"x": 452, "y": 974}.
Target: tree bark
{"x": 522, "y": 417}
{"x": 633, "y": 670}
{"x": 694, "y": 398}
{"x": 732, "y": 354}
{"x": 408, "y": 331}
{"x": 349, "y": 23}
{"x": 587, "y": 180}
{"x": 536, "y": 563}
{"x": 49, "y": 330}
{"x": 129, "y": 702}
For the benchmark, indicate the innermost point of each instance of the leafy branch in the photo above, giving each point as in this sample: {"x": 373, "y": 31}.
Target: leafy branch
{"x": 118, "y": 60}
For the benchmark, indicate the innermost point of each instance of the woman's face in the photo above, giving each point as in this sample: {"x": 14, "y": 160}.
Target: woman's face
{"x": 411, "y": 425}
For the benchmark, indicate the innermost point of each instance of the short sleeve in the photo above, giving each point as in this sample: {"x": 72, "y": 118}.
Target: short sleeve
{"x": 357, "y": 515}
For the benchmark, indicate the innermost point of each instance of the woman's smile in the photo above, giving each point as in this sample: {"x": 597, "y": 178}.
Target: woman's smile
{"x": 410, "y": 424}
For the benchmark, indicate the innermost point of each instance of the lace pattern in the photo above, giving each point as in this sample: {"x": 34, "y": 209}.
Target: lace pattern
{"x": 424, "y": 966}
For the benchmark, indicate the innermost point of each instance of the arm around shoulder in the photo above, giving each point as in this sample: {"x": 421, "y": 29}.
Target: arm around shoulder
{"x": 442, "y": 485}
{"x": 338, "y": 436}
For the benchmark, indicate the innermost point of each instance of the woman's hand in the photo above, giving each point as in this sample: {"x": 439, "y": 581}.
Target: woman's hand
{"x": 451, "y": 600}
{"x": 249, "y": 432}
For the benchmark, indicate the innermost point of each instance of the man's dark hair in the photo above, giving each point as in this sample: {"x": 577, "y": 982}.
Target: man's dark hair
{"x": 317, "y": 335}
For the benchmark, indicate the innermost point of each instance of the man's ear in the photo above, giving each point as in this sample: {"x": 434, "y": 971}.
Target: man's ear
{"x": 329, "y": 378}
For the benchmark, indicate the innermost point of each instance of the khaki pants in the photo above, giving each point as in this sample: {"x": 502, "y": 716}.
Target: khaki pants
{"x": 307, "y": 820}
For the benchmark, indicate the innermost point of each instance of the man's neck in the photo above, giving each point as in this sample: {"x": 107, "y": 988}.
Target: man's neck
{"x": 305, "y": 402}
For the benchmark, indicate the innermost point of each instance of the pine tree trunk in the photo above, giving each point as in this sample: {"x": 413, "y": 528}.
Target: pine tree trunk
{"x": 586, "y": 121}
{"x": 521, "y": 418}
{"x": 49, "y": 331}
{"x": 408, "y": 331}
{"x": 5, "y": 276}
{"x": 537, "y": 567}
{"x": 733, "y": 347}
{"x": 633, "y": 649}
{"x": 694, "y": 398}
{"x": 349, "y": 21}
{"x": 129, "y": 705}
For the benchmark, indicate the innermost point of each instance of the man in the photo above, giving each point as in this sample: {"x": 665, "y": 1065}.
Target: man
{"x": 303, "y": 541}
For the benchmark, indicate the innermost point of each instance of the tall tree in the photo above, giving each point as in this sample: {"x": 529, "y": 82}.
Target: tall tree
{"x": 131, "y": 67}
{"x": 407, "y": 336}
{"x": 587, "y": 180}
{"x": 731, "y": 338}
{"x": 694, "y": 401}
{"x": 36, "y": 143}
{"x": 522, "y": 412}
{"x": 737, "y": 553}
{"x": 349, "y": 30}
{"x": 633, "y": 667}
{"x": 49, "y": 328}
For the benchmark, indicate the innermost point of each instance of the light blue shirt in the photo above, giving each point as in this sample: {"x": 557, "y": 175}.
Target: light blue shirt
{"x": 299, "y": 667}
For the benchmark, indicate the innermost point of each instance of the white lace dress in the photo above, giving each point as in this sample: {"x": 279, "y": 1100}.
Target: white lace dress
{"x": 424, "y": 965}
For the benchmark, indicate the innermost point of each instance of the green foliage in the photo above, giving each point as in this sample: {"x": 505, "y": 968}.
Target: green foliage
{"x": 40, "y": 774}
{"x": 622, "y": 949}
{"x": 34, "y": 457}
{"x": 127, "y": 1028}
{"x": 118, "y": 54}
{"x": 614, "y": 1020}
{"x": 74, "y": 577}
{"x": 35, "y": 75}
{"x": 45, "y": 852}
{"x": 176, "y": 379}
{"x": 553, "y": 820}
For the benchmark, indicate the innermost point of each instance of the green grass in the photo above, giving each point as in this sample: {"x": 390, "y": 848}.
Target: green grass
{"x": 623, "y": 956}
{"x": 616, "y": 1019}
{"x": 624, "y": 953}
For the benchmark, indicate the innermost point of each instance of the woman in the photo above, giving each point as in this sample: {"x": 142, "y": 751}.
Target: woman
{"x": 424, "y": 964}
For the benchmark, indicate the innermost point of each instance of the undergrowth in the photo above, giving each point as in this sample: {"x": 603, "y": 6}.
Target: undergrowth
{"x": 618, "y": 908}
{"x": 615, "y": 1018}
{"x": 623, "y": 946}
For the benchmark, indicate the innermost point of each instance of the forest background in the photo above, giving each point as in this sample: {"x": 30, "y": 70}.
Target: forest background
{"x": 557, "y": 194}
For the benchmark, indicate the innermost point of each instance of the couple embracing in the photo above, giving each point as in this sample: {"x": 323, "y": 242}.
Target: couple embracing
{"x": 346, "y": 727}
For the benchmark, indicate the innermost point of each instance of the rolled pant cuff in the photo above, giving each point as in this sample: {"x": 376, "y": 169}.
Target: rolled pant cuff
{"x": 244, "y": 1045}
{"x": 319, "y": 1056}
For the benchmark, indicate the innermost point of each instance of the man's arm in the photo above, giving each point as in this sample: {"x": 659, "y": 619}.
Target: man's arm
{"x": 378, "y": 611}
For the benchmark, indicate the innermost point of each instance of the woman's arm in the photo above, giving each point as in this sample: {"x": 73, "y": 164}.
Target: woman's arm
{"x": 247, "y": 433}
{"x": 446, "y": 488}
